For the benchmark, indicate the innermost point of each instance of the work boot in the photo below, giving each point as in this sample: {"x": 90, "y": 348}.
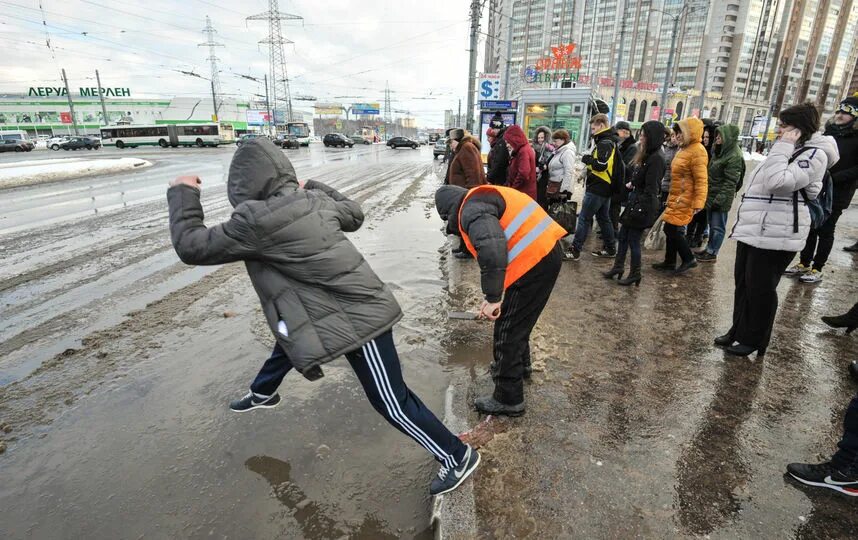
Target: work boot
{"x": 852, "y": 248}
{"x": 449, "y": 478}
{"x": 824, "y": 475}
{"x": 489, "y": 405}
{"x": 685, "y": 267}
{"x": 848, "y": 320}
{"x": 634, "y": 277}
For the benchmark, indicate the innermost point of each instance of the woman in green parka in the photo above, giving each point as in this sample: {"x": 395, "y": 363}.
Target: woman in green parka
{"x": 726, "y": 169}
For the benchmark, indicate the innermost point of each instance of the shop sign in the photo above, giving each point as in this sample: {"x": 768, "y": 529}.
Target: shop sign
{"x": 490, "y": 105}
{"x": 55, "y": 91}
{"x": 65, "y": 117}
{"x": 489, "y": 85}
{"x": 625, "y": 84}
{"x": 562, "y": 57}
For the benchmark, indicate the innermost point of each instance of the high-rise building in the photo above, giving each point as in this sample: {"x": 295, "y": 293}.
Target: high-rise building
{"x": 449, "y": 118}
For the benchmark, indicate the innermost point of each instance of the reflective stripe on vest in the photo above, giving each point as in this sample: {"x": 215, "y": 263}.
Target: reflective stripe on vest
{"x": 530, "y": 232}
{"x": 609, "y": 170}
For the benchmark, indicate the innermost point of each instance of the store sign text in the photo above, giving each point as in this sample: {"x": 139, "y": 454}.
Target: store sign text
{"x": 56, "y": 91}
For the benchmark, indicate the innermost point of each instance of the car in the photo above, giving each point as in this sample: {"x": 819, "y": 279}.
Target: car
{"x": 423, "y": 140}
{"x": 15, "y": 145}
{"x": 360, "y": 139}
{"x": 248, "y": 137}
{"x": 402, "y": 142}
{"x": 54, "y": 142}
{"x": 440, "y": 148}
{"x": 285, "y": 140}
{"x": 74, "y": 143}
{"x": 337, "y": 139}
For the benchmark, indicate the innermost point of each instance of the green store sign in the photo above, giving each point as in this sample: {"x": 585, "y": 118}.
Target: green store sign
{"x": 53, "y": 91}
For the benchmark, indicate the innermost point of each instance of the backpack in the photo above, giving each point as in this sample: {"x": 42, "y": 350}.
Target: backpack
{"x": 820, "y": 208}
{"x": 741, "y": 181}
{"x": 618, "y": 172}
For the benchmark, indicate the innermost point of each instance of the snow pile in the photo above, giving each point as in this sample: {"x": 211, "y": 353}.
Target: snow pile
{"x": 24, "y": 173}
{"x": 753, "y": 157}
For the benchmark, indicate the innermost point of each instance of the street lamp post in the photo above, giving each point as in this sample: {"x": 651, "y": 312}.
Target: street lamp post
{"x": 682, "y": 11}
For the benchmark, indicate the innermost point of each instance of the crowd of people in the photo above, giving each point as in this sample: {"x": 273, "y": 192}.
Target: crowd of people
{"x": 686, "y": 178}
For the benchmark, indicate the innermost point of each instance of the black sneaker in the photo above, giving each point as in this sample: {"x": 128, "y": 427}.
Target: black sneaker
{"x": 706, "y": 257}
{"x": 823, "y": 475}
{"x": 449, "y": 479}
{"x": 664, "y": 266}
{"x": 489, "y": 405}
{"x": 572, "y": 255}
{"x": 464, "y": 254}
{"x": 685, "y": 267}
{"x": 604, "y": 254}
{"x": 252, "y": 401}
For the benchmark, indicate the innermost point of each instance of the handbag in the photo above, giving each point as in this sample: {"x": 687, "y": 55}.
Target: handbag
{"x": 641, "y": 211}
{"x": 565, "y": 213}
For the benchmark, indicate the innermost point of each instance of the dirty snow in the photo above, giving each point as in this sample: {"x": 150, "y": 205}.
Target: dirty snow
{"x": 23, "y": 173}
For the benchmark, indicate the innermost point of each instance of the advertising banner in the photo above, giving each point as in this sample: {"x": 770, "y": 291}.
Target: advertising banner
{"x": 489, "y": 86}
{"x": 328, "y": 108}
{"x": 366, "y": 108}
{"x": 257, "y": 117}
{"x": 65, "y": 117}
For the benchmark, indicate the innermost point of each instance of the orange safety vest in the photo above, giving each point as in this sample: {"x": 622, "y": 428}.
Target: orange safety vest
{"x": 530, "y": 232}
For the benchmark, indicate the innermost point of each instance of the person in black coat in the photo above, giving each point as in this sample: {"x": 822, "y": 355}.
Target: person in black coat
{"x": 699, "y": 226}
{"x": 628, "y": 148}
{"x": 498, "y": 158}
{"x": 642, "y": 209}
{"x": 844, "y": 176}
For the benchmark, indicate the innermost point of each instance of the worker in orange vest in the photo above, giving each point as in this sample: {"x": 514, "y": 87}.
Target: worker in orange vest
{"x": 516, "y": 245}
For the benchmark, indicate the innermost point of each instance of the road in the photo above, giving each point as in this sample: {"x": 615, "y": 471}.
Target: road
{"x": 117, "y": 363}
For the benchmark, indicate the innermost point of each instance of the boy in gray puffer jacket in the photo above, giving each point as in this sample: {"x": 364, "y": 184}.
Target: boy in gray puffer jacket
{"x": 320, "y": 297}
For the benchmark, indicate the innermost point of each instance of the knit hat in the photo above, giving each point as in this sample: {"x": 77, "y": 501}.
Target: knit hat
{"x": 496, "y": 121}
{"x": 623, "y": 125}
{"x": 457, "y": 134}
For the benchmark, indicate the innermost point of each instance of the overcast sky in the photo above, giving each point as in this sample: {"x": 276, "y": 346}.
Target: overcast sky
{"x": 344, "y": 50}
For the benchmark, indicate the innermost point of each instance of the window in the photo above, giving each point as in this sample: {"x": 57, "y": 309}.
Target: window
{"x": 679, "y": 107}
{"x": 632, "y": 108}
{"x": 642, "y": 115}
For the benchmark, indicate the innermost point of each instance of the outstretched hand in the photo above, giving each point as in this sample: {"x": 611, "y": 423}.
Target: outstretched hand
{"x": 490, "y": 311}
{"x": 189, "y": 180}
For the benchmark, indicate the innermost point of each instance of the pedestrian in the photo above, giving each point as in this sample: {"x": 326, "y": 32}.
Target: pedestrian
{"x": 844, "y": 178}
{"x": 561, "y": 167}
{"x": 628, "y": 149}
{"x": 848, "y": 320}
{"x": 643, "y": 205}
{"x": 517, "y": 246}
{"x": 466, "y": 168}
{"x": 688, "y": 181}
{"x": 670, "y": 148}
{"x": 726, "y": 168}
{"x": 772, "y": 224}
{"x": 521, "y": 174}
{"x": 603, "y": 165}
{"x": 543, "y": 150}
{"x": 498, "y": 158}
{"x": 840, "y": 473}
{"x": 320, "y": 297}
{"x": 698, "y": 230}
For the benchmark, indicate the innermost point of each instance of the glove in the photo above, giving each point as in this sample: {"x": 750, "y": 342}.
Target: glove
{"x": 587, "y": 159}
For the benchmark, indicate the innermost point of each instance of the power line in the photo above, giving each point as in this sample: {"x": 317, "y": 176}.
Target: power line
{"x": 210, "y": 32}
{"x": 277, "y": 60}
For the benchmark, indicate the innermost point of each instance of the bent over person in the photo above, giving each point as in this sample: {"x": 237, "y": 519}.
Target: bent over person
{"x": 516, "y": 244}
{"x": 320, "y": 297}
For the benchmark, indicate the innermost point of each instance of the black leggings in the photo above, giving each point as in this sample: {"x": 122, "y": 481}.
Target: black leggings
{"x": 677, "y": 242}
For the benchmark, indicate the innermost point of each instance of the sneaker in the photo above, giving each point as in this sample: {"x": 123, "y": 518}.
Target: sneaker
{"x": 464, "y": 255}
{"x": 814, "y": 276}
{"x": 797, "y": 270}
{"x": 604, "y": 254}
{"x": 449, "y": 479}
{"x": 685, "y": 267}
{"x": 852, "y": 248}
{"x": 823, "y": 475}
{"x": 706, "y": 257}
{"x": 254, "y": 401}
{"x": 489, "y": 405}
{"x": 572, "y": 255}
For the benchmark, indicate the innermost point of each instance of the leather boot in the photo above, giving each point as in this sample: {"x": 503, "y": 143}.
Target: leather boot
{"x": 634, "y": 277}
{"x": 848, "y": 320}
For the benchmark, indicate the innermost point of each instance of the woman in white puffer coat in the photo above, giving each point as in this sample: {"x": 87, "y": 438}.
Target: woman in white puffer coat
{"x": 769, "y": 228}
{"x": 561, "y": 168}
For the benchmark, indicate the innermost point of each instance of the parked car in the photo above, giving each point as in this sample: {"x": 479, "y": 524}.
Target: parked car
{"x": 15, "y": 145}
{"x": 360, "y": 139}
{"x": 423, "y": 140}
{"x": 285, "y": 140}
{"x": 337, "y": 139}
{"x": 439, "y": 149}
{"x": 54, "y": 142}
{"x": 402, "y": 142}
{"x": 75, "y": 143}
{"x": 247, "y": 137}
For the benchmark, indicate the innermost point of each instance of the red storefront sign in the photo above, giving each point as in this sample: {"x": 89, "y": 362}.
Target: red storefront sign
{"x": 561, "y": 58}
{"x": 65, "y": 117}
{"x": 654, "y": 114}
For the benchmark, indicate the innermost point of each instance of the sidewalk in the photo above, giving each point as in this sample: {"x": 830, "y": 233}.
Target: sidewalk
{"x": 637, "y": 426}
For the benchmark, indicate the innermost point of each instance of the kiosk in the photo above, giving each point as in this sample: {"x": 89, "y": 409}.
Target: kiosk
{"x": 557, "y": 108}
{"x": 508, "y": 111}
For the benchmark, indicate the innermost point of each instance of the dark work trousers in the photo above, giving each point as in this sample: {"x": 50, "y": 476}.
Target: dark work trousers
{"x": 522, "y": 304}
{"x": 697, "y": 227}
{"x": 845, "y": 459}
{"x": 677, "y": 242}
{"x": 755, "y": 302}
{"x": 630, "y": 240}
{"x": 820, "y": 241}
{"x": 376, "y": 365}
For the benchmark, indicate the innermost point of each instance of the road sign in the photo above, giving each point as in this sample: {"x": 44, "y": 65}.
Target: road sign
{"x": 489, "y": 86}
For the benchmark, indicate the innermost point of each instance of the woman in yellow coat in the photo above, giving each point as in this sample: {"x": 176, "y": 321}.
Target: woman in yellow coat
{"x": 688, "y": 188}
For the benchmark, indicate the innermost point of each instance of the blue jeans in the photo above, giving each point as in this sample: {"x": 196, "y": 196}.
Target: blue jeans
{"x": 717, "y": 230}
{"x": 377, "y": 367}
{"x": 594, "y": 205}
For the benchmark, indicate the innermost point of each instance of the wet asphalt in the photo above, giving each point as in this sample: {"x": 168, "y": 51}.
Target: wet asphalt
{"x": 117, "y": 363}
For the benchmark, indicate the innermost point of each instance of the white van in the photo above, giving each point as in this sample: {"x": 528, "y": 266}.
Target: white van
{"x": 14, "y": 135}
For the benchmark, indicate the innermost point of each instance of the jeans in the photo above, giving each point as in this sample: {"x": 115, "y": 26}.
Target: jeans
{"x": 697, "y": 227}
{"x": 594, "y": 205}
{"x": 755, "y": 301}
{"x": 630, "y": 239}
{"x": 717, "y": 230}
{"x": 677, "y": 243}
{"x": 377, "y": 367}
{"x": 820, "y": 241}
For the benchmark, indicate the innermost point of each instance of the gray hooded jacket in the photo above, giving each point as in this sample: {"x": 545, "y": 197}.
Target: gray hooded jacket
{"x": 319, "y": 295}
